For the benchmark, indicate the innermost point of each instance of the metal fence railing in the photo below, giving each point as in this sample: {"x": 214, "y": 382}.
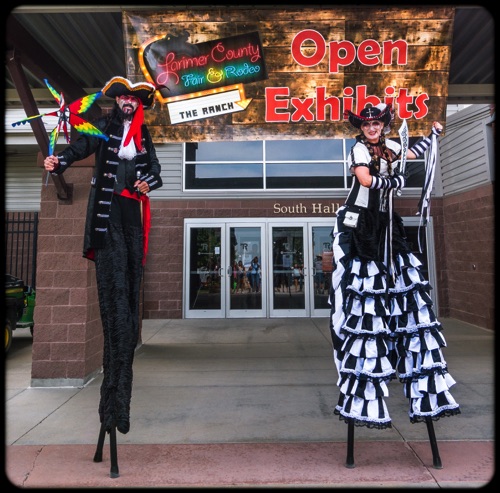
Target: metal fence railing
{"x": 21, "y": 234}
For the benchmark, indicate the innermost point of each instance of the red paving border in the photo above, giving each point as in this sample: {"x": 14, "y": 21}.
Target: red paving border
{"x": 378, "y": 463}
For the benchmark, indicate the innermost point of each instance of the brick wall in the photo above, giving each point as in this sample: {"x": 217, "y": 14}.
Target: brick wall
{"x": 67, "y": 339}
{"x": 469, "y": 232}
{"x": 409, "y": 208}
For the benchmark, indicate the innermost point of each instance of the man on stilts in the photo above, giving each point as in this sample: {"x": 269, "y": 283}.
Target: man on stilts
{"x": 116, "y": 237}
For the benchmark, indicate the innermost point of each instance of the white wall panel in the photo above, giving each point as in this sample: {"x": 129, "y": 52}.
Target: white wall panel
{"x": 465, "y": 150}
{"x": 23, "y": 183}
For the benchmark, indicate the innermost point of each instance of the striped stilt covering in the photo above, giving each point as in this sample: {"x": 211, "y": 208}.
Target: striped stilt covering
{"x": 384, "y": 329}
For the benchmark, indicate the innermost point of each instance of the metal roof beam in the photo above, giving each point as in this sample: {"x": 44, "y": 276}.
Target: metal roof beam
{"x": 471, "y": 93}
{"x": 36, "y": 59}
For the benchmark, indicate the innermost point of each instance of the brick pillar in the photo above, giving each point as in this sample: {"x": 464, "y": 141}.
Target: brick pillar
{"x": 67, "y": 336}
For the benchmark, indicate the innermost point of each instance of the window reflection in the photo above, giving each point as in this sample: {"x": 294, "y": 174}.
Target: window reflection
{"x": 230, "y": 170}
{"x": 224, "y": 176}
{"x": 303, "y": 150}
{"x": 304, "y": 169}
{"x": 305, "y": 175}
{"x": 224, "y": 151}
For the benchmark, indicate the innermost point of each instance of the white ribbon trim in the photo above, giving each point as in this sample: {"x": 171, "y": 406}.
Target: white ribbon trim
{"x": 424, "y": 205}
{"x": 129, "y": 151}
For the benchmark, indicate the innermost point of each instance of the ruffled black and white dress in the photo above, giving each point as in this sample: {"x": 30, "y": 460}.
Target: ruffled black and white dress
{"x": 382, "y": 322}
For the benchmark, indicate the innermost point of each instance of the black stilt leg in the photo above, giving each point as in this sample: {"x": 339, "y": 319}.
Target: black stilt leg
{"x": 350, "y": 444}
{"x": 436, "y": 460}
{"x": 113, "y": 472}
{"x": 100, "y": 444}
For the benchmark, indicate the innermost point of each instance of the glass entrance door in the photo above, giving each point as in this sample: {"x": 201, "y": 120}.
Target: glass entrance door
{"x": 247, "y": 287}
{"x": 204, "y": 279}
{"x": 321, "y": 257}
{"x": 293, "y": 275}
{"x": 224, "y": 270}
{"x": 290, "y": 271}
{"x": 245, "y": 268}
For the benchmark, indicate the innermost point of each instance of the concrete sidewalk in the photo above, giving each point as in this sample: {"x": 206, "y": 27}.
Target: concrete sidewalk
{"x": 246, "y": 403}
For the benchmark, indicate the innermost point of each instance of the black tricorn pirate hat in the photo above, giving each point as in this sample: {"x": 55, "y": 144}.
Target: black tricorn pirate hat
{"x": 381, "y": 112}
{"x": 120, "y": 86}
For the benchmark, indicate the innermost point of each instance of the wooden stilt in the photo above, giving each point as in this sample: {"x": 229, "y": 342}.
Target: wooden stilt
{"x": 350, "y": 444}
{"x": 436, "y": 460}
{"x": 114, "y": 471}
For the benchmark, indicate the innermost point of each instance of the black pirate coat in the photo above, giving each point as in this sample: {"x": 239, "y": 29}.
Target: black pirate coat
{"x": 111, "y": 174}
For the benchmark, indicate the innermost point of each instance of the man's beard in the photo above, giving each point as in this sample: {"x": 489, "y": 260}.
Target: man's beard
{"x": 124, "y": 116}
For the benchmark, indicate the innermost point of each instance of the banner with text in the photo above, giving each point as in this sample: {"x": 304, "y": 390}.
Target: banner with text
{"x": 238, "y": 74}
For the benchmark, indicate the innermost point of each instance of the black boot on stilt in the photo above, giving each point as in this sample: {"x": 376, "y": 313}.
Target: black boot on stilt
{"x": 123, "y": 424}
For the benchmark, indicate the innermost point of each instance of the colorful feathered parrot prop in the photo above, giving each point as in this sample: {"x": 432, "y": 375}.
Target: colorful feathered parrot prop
{"x": 68, "y": 114}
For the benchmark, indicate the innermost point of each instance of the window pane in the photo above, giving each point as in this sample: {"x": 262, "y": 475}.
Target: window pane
{"x": 224, "y": 151}
{"x": 304, "y": 175}
{"x": 348, "y": 144}
{"x": 303, "y": 150}
{"x": 416, "y": 174}
{"x": 224, "y": 176}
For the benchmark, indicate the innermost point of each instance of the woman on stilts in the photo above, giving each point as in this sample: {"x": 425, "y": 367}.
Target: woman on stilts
{"x": 382, "y": 322}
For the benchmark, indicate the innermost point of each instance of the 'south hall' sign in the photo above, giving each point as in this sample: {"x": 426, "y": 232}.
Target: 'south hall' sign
{"x": 205, "y": 79}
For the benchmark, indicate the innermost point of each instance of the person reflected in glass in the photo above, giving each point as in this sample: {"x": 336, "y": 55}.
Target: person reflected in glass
{"x": 234, "y": 285}
{"x": 297, "y": 277}
{"x": 254, "y": 275}
{"x": 318, "y": 266}
{"x": 241, "y": 277}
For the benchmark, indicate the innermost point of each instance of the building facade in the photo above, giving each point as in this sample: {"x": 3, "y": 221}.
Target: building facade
{"x": 231, "y": 200}
{"x": 197, "y": 236}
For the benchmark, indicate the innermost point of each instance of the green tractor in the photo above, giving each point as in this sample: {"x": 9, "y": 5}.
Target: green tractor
{"x": 19, "y": 307}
